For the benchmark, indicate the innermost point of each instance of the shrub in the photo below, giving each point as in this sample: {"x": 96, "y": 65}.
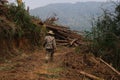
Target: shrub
{"x": 105, "y": 37}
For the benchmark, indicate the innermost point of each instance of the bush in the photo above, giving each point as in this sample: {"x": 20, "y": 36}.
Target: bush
{"x": 25, "y": 25}
{"x": 105, "y": 37}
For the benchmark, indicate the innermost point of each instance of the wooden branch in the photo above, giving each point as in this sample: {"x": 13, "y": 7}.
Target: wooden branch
{"x": 64, "y": 33}
{"x": 72, "y": 42}
{"x": 63, "y": 44}
{"x": 60, "y": 36}
{"x": 76, "y": 45}
{"x": 110, "y": 66}
{"x": 90, "y": 76}
{"x": 57, "y": 27}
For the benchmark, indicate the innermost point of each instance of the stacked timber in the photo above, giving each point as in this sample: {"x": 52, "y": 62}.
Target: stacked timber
{"x": 64, "y": 36}
{"x": 2, "y": 2}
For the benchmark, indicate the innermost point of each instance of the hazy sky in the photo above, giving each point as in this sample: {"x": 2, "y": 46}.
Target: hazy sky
{"x": 38, "y": 3}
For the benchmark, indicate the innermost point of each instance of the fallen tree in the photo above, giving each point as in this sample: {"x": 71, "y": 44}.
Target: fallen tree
{"x": 117, "y": 72}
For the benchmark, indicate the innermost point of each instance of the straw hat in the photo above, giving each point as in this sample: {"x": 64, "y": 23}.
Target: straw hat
{"x": 50, "y": 32}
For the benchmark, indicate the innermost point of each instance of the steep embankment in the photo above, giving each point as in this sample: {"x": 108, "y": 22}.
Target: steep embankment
{"x": 7, "y": 29}
{"x": 17, "y": 31}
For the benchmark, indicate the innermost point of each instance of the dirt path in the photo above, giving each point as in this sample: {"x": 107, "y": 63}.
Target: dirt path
{"x": 33, "y": 67}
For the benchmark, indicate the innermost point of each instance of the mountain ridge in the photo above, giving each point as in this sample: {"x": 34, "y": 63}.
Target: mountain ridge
{"x": 75, "y": 15}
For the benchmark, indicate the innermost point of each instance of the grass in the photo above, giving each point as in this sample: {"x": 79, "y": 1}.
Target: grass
{"x": 49, "y": 76}
{"x": 53, "y": 73}
{"x": 55, "y": 70}
{"x": 6, "y": 68}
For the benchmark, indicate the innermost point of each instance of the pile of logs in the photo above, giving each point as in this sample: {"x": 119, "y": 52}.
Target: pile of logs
{"x": 2, "y": 2}
{"x": 64, "y": 36}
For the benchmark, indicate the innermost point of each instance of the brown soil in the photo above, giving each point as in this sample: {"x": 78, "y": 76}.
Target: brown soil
{"x": 66, "y": 66}
{"x": 33, "y": 67}
{"x": 75, "y": 63}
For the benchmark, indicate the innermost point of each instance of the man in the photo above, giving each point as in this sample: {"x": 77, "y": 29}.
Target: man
{"x": 50, "y": 46}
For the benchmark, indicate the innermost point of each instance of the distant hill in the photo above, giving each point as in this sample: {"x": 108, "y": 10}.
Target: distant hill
{"x": 77, "y": 16}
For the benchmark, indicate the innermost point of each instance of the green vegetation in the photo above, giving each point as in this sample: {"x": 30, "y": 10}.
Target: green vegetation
{"x": 19, "y": 30}
{"x": 105, "y": 37}
{"x": 25, "y": 26}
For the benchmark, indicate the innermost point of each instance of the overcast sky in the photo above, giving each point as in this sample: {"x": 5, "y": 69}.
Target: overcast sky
{"x": 39, "y": 3}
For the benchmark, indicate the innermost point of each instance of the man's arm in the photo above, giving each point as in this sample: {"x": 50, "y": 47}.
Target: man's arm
{"x": 54, "y": 43}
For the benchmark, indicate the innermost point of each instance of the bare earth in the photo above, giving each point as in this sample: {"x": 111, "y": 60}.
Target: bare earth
{"x": 33, "y": 67}
{"x": 67, "y": 65}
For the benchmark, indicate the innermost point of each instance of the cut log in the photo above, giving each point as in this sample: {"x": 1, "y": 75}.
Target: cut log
{"x": 61, "y": 41}
{"x": 75, "y": 44}
{"x": 64, "y": 35}
{"x": 63, "y": 44}
{"x": 55, "y": 27}
{"x": 110, "y": 66}
{"x": 59, "y": 36}
{"x": 90, "y": 76}
{"x": 72, "y": 42}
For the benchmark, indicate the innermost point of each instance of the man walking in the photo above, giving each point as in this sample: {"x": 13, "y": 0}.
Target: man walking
{"x": 50, "y": 46}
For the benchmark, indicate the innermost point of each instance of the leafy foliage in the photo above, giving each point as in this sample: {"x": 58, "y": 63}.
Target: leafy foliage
{"x": 19, "y": 31}
{"x": 25, "y": 25}
{"x": 105, "y": 37}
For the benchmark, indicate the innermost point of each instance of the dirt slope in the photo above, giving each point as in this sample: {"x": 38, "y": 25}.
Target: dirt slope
{"x": 82, "y": 66}
{"x": 33, "y": 67}
{"x": 66, "y": 66}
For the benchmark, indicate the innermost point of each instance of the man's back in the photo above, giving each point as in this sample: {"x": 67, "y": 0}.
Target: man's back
{"x": 50, "y": 42}
{"x": 50, "y": 46}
